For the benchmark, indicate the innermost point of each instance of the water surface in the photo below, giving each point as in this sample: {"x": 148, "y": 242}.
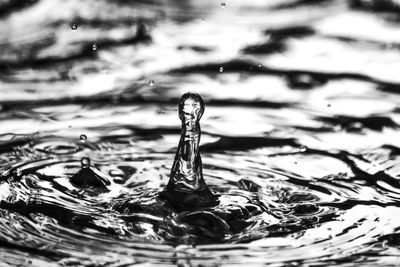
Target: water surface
{"x": 299, "y": 135}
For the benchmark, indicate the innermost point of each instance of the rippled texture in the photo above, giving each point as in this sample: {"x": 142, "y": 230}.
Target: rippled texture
{"x": 299, "y": 135}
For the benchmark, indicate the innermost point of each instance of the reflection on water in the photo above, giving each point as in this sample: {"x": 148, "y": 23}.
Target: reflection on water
{"x": 299, "y": 135}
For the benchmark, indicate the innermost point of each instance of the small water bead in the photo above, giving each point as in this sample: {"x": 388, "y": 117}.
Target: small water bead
{"x": 74, "y": 27}
{"x": 85, "y": 162}
{"x": 151, "y": 82}
{"x": 221, "y": 69}
{"x": 94, "y": 47}
{"x": 83, "y": 138}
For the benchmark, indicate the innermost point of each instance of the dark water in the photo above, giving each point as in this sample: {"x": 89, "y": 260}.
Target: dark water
{"x": 300, "y": 133}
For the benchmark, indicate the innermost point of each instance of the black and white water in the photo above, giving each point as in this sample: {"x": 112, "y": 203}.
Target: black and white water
{"x": 300, "y": 134}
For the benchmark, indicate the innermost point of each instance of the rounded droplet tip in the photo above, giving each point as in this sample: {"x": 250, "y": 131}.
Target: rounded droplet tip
{"x": 191, "y": 106}
{"x": 85, "y": 162}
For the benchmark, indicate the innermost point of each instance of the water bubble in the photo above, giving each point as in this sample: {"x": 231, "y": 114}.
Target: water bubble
{"x": 94, "y": 47}
{"x": 85, "y": 162}
{"x": 151, "y": 82}
{"x": 74, "y": 27}
{"x": 83, "y": 137}
{"x": 223, "y": 4}
{"x": 221, "y": 69}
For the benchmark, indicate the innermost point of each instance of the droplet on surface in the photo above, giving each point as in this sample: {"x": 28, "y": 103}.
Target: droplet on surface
{"x": 83, "y": 137}
{"x": 74, "y": 27}
{"x": 151, "y": 82}
{"x": 85, "y": 162}
{"x": 221, "y": 69}
{"x": 94, "y": 47}
{"x": 223, "y": 4}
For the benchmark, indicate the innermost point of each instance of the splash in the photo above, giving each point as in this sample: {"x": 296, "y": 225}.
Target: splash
{"x": 89, "y": 177}
{"x": 186, "y": 188}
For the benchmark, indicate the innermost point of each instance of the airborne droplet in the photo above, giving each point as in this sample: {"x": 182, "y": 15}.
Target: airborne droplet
{"x": 83, "y": 137}
{"x": 74, "y": 27}
{"x": 221, "y": 69}
{"x": 151, "y": 82}
{"x": 223, "y": 4}
{"x": 94, "y": 47}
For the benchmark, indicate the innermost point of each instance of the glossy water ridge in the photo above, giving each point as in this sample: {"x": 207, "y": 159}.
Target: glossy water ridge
{"x": 299, "y": 135}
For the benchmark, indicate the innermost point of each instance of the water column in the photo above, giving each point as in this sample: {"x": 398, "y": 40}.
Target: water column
{"x": 186, "y": 188}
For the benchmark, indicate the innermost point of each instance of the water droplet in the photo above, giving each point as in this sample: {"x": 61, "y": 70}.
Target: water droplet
{"x": 18, "y": 171}
{"x": 329, "y": 105}
{"x": 151, "y": 82}
{"x": 69, "y": 126}
{"x": 221, "y": 69}
{"x": 202, "y": 19}
{"x": 223, "y": 4}
{"x": 259, "y": 65}
{"x": 94, "y": 47}
{"x": 191, "y": 107}
{"x": 303, "y": 148}
{"x": 83, "y": 137}
{"x": 74, "y": 27}
{"x": 85, "y": 162}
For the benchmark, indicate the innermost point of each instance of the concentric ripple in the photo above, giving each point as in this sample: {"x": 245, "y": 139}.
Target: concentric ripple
{"x": 285, "y": 200}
